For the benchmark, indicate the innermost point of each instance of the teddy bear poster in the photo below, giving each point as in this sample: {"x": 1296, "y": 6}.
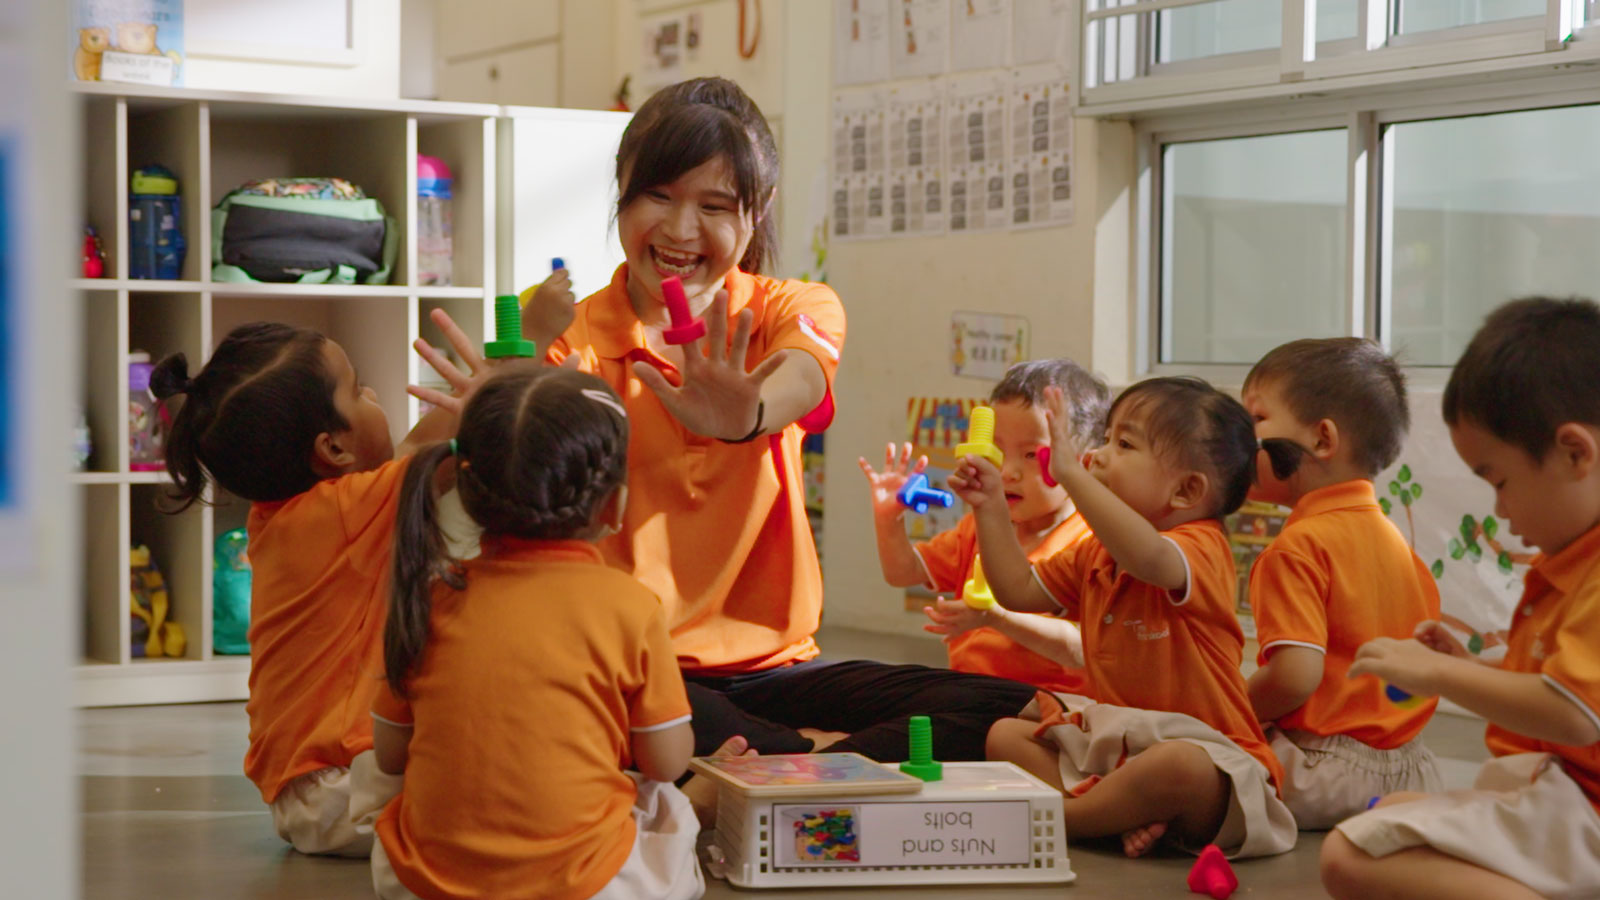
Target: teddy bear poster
{"x": 137, "y": 41}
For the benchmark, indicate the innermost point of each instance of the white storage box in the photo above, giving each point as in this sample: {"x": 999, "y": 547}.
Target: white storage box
{"x": 984, "y": 822}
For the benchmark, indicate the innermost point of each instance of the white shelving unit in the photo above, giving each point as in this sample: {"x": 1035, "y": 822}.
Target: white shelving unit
{"x": 214, "y": 142}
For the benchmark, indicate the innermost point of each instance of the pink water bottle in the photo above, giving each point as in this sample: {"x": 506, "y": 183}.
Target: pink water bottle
{"x": 435, "y": 225}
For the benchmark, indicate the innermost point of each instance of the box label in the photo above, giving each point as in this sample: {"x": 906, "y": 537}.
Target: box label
{"x": 986, "y": 833}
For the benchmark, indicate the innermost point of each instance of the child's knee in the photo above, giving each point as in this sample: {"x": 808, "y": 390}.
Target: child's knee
{"x": 1005, "y": 736}
{"x": 1184, "y": 769}
{"x": 1343, "y": 866}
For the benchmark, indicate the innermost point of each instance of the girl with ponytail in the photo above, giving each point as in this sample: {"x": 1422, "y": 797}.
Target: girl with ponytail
{"x": 520, "y": 685}
{"x": 278, "y": 417}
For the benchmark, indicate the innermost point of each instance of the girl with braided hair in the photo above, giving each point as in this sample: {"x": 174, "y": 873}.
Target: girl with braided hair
{"x": 278, "y": 417}
{"x": 520, "y": 685}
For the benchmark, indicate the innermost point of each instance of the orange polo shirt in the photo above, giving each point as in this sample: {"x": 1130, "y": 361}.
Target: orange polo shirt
{"x": 1148, "y": 648}
{"x": 1556, "y": 633}
{"x": 532, "y": 684}
{"x": 948, "y": 561}
{"x": 319, "y": 593}
{"x": 1338, "y": 575}
{"x": 718, "y": 531}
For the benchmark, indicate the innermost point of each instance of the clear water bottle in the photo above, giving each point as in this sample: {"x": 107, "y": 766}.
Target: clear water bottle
{"x": 435, "y": 242}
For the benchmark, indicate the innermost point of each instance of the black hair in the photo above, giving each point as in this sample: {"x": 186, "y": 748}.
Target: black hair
{"x": 1087, "y": 396}
{"x": 250, "y": 419}
{"x": 683, "y": 126}
{"x": 1202, "y": 428}
{"x": 1532, "y": 367}
{"x": 538, "y": 452}
{"x": 1351, "y": 380}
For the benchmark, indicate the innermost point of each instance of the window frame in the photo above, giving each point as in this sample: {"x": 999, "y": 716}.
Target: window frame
{"x": 1368, "y": 209}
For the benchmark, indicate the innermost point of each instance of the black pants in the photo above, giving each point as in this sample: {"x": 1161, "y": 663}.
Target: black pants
{"x": 868, "y": 700}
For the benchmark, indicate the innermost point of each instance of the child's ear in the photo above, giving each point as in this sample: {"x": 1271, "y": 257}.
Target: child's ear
{"x": 1328, "y": 440}
{"x": 330, "y": 454}
{"x": 1191, "y": 491}
{"x": 1578, "y": 446}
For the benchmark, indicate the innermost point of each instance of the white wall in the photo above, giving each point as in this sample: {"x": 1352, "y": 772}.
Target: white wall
{"x": 376, "y": 75}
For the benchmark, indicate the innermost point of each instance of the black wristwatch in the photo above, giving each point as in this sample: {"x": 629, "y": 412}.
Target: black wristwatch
{"x": 761, "y": 412}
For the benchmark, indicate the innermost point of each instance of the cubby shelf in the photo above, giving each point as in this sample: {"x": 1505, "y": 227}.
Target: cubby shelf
{"x": 213, "y": 141}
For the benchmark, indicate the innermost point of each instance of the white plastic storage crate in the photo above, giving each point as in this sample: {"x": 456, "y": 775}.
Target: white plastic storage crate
{"x": 985, "y": 822}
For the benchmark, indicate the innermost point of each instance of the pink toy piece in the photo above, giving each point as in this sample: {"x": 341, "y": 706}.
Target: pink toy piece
{"x": 1212, "y": 875}
{"x": 1044, "y": 466}
{"x": 685, "y": 328}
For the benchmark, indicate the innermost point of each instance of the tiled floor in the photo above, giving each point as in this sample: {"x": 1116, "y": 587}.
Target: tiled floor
{"x": 167, "y": 816}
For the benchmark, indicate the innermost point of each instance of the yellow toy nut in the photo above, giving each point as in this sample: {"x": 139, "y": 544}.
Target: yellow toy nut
{"x": 980, "y": 437}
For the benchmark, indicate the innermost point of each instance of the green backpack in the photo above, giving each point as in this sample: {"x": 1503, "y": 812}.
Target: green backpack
{"x": 303, "y": 230}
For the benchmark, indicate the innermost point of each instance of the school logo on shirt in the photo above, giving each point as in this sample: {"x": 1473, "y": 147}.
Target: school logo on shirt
{"x": 823, "y": 339}
{"x": 1143, "y": 633}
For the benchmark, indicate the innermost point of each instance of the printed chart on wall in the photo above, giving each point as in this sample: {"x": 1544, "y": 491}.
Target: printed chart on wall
{"x": 916, "y": 146}
{"x": 919, "y": 37}
{"x": 934, "y": 426}
{"x": 980, "y": 34}
{"x": 975, "y": 115}
{"x": 859, "y": 160}
{"x": 983, "y": 345}
{"x": 1041, "y": 31}
{"x": 1041, "y": 147}
{"x": 860, "y": 41}
{"x": 668, "y": 42}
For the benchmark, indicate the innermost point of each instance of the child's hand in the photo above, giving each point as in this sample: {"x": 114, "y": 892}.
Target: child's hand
{"x": 1435, "y": 636}
{"x": 1409, "y": 665}
{"x": 886, "y": 485}
{"x": 977, "y": 482}
{"x": 1064, "y": 450}
{"x": 465, "y": 385}
{"x": 548, "y": 309}
{"x": 953, "y": 617}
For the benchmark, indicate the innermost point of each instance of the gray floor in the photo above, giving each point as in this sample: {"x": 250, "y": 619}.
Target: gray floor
{"x": 166, "y": 814}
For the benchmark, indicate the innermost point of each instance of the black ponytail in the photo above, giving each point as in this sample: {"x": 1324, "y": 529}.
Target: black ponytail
{"x": 249, "y": 420}
{"x": 420, "y": 557}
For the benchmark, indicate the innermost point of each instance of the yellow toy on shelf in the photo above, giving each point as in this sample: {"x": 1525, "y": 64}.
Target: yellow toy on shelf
{"x": 153, "y": 635}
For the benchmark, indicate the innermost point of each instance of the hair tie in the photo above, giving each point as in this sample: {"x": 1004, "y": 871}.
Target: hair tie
{"x": 605, "y": 399}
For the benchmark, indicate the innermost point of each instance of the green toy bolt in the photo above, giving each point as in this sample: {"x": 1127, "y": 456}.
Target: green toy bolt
{"x": 508, "y": 340}
{"x": 922, "y": 764}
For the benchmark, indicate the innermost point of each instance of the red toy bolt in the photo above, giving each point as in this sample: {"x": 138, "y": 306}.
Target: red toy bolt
{"x": 1212, "y": 875}
{"x": 1044, "y": 466}
{"x": 685, "y": 328}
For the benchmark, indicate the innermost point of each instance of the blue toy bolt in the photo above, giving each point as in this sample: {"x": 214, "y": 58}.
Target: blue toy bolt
{"x": 557, "y": 264}
{"x": 916, "y": 495}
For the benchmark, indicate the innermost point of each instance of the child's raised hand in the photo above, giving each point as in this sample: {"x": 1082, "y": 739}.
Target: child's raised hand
{"x": 1064, "y": 449}
{"x": 1408, "y": 665}
{"x": 886, "y": 485}
{"x": 977, "y": 482}
{"x": 464, "y": 384}
{"x": 718, "y": 398}
{"x": 548, "y": 309}
{"x": 1435, "y": 636}
{"x": 953, "y": 617}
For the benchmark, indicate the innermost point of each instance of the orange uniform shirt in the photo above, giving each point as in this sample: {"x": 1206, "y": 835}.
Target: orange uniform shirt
{"x": 1147, "y": 648}
{"x": 718, "y": 531}
{"x": 319, "y": 593}
{"x": 1338, "y": 575}
{"x": 532, "y": 684}
{"x": 1556, "y": 633}
{"x": 948, "y": 560}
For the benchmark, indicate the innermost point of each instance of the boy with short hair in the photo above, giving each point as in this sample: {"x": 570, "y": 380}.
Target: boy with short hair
{"x": 1524, "y": 414}
{"x": 1042, "y": 650}
{"x": 1331, "y": 414}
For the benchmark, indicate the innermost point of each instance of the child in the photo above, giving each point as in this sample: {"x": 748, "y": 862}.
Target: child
{"x": 522, "y": 683}
{"x": 279, "y": 418}
{"x": 1524, "y": 415}
{"x": 1042, "y": 650}
{"x": 1180, "y": 753}
{"x": 1333, "y": 414}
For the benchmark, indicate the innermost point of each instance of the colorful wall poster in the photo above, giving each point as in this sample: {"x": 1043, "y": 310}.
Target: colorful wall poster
{"x": 984, "y": 345}
{"x": 133, "y": 41}
{"x": 934, "y": 426}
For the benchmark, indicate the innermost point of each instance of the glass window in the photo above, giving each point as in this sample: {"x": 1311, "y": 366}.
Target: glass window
{"x": 1240, "y": 26}
{"x": 1486, "y": 209}
{"x": 1252, "y": 245}
{"x": 1432, "y": 15}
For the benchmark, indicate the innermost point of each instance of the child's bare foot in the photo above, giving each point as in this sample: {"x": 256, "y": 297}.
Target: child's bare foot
{"x": 821, "y": 740}
{"x": 702, "y": 791}
{"x": 1142, "y": 840}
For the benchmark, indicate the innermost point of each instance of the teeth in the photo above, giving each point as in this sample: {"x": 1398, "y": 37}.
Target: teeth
{"x": 675, "y": 263}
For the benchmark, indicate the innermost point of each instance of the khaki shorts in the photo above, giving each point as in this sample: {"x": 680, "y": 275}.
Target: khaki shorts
{"x": 1329, "y": 779}
{"x": 1525, "y": 818}
{"x": 331, "y": 811}
{"x": 1257, "y": 822}
{"x": 661, "y": 866}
